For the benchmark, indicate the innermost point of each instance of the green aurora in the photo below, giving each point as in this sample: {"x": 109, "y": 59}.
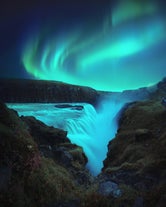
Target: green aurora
{"x": 123, "y": 53}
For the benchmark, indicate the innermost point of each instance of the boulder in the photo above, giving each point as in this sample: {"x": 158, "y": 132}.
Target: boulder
{"x": 109, "y": 188}
{"x": 43, "y": 134}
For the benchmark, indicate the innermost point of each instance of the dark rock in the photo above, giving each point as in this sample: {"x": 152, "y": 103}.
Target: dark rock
{"x": 129, "y": 177}
{"x": 75, "y": 160}
{"x": 79, "y": 108}
{"x": 163, "y": 101}
{"x": 72, "y": 203}
{"x": 109, "y": 188}
{"x": 26, "y": 178}
{"x": 136, "y": 157}
{"x": 143, "y": 135}
{"x": 46, "y": 151}
{"x": 5, "y": 176}
{"x": 84, "y": 177}
{"x": 38, "y": 91}
{"x": 54, "y": 144}
{"x": 43, "y": 134}
{"x": 138, "y": 202}
{"x": 63, "y": 156}
{"x": 122, "y": 111}
{"x": 72, "y": 107}
{"x": 63, "y": 106}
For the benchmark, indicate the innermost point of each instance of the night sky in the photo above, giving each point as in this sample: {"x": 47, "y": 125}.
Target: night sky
{"x": 101, "y": 44}
{"x": 20, "y": 18}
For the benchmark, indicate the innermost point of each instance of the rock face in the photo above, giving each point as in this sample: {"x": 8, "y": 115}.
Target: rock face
{"x": 39, "y": 167}
{"x": 136, "y": 158}
{"x": 53, "y": 143}
{"x": 109, "y": 188}
{"x": 37, "y": 91}
{"x": 38, "y": 164}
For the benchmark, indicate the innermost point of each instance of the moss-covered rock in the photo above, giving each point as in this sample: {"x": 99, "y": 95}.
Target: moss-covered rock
{"x": 27, "y": 177}
{"x": 136, "y": 156}
{"x": 53, "y": 143}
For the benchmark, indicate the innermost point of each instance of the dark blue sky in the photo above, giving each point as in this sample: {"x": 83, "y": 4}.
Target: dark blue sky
{"x": 21, "y": 17}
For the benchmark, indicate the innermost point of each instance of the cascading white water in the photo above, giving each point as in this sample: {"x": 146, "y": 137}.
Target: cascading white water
{"x": 105, "y": 129}
{"x": 93, "y": 130}
{"x": 88, "y": 128}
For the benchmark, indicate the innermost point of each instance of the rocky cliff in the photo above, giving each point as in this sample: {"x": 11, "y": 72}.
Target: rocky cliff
{"x": 37, "y": 91}
{"x": 39, "y": 167}
{"x": 136, "y": 158}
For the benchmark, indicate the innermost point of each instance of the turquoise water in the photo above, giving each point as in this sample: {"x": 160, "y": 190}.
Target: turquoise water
{"x": 88, "y": 128}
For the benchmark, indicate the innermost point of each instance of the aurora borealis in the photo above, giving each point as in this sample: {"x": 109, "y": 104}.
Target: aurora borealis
{"x": 108, "y": 45}
{"x": 122, "y": 53}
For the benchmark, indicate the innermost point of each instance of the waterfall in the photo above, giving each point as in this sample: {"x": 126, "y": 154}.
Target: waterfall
{"x": 87, "y": 127}
{"x": 94, "y": 130}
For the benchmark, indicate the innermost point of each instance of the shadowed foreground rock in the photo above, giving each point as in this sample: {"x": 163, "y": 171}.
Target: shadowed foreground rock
{"x": 38, "y": 164}
{"x": 136, "y": 158}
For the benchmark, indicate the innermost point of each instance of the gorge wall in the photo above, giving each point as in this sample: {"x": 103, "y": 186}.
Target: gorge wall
{"x": 41, "y": 91}
{"x": 40, "y": 167}
{"x": 37, "y": 91}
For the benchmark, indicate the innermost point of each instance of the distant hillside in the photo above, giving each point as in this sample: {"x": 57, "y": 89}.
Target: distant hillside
{"x": 38, "y": 91}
